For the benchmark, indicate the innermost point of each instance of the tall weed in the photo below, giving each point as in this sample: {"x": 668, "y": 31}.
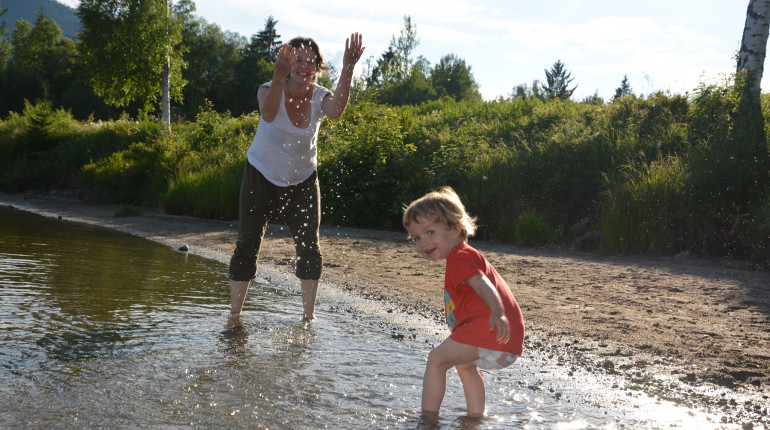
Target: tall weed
{"x": 206, "y": 178}
{"x": 646, "y": 210}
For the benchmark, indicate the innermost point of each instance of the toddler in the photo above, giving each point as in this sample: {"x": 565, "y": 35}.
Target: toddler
{"x": 485, "y": 320}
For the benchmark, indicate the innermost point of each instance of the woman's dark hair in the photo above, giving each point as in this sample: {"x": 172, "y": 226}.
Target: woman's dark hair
{"x": 302, "y": 41}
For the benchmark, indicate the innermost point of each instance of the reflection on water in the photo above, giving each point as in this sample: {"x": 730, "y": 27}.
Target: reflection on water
{"x": 106, "y": 330}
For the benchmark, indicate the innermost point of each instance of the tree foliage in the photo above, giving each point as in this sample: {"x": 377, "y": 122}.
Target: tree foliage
{"x": 267, "y": 42}
{"x": 400, "y": 66}
{"x": 126, "y": 44}
{"x": 623, "y": 90}
{"x": 5, "y": 45}
{"x": 55, "y": 10}
{"x": 42, "y": 48}
{"x": 526, "y": 92}
{"x": 255, "y": 67}
{"x": 212, "y": 57}
{"x": 44, "y": 64}
{"x": 557, "y": 82}
{"x": 396, "y": 78}
{"x": 453, "y": 77}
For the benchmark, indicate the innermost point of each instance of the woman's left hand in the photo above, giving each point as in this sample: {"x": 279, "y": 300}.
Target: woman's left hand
{"x": 354, "y": 49}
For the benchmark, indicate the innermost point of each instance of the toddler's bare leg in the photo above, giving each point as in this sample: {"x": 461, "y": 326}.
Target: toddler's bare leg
{"x": 473, "y": 386}
{"x": 442, "y": 358}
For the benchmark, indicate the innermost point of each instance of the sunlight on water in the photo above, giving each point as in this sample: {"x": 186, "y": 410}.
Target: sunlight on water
{"x": 105, "y": 330}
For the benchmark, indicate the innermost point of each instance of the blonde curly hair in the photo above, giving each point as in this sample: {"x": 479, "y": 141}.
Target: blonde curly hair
{"x": 442, "y": 205}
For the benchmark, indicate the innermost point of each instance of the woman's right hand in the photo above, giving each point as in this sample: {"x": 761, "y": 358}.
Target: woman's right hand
{"x": 287, "y": 56}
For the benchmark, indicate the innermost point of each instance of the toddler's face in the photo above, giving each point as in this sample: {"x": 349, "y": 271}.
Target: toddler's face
{"x": 434, "y": 240}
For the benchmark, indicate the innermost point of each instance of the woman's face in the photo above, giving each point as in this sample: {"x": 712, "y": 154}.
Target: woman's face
{"x": 304, "y": 69}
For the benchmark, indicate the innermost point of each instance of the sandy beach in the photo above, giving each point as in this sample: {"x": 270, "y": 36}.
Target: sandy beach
{"x": 703, "y": 322}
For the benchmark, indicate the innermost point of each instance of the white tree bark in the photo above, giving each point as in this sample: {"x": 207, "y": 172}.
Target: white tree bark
{"x": 165, "y": 98}
{"x": 166, "y": 92}
{"x": 751, "y": 57}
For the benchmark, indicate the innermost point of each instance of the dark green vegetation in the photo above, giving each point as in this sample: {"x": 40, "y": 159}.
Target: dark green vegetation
{"x": 656, "y": 175}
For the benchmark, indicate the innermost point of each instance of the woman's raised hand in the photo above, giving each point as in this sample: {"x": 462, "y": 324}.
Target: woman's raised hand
{"x": 287, "y": 56}
{"x": 354, "y": 49}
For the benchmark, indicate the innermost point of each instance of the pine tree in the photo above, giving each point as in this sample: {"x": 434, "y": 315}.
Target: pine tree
{"x": 623, "y": 90}
{"x": 267, "y": 42}
{"x": 557, "y": 82}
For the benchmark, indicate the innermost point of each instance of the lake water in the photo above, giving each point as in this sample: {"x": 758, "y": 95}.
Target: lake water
{"x": 105, "y": 330}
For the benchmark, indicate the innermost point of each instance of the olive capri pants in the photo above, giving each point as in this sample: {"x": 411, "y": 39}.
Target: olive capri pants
{"x": 298, "y": 206}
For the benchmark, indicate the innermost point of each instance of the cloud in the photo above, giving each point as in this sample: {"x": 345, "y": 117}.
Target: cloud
{"x": 443, "y": 36}
{"x": 506, "y": 42}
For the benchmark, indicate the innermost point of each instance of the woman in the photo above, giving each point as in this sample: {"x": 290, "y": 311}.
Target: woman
{"x": 280, "y": 180}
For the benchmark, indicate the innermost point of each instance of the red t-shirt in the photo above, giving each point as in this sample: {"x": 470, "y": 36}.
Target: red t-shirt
{"x": 466, "y": 313}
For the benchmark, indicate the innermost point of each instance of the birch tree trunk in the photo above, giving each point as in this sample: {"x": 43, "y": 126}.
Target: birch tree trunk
{"x": 751, "y": 58}
{"x": 165, "y": 98}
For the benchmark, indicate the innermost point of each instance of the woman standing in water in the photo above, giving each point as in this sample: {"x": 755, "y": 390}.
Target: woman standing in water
{"x": 280, "y": 179}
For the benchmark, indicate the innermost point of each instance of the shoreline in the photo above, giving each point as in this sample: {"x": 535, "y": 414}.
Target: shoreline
{"x": 702, "y": 323}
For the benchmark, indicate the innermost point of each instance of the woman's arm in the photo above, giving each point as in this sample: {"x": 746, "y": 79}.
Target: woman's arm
{"x": 497, "y": 320}
{"x": 334, "y": 105}
{"x": 270, "y": 98}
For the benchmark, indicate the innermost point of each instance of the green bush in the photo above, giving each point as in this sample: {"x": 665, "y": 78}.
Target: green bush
{"x": 28, "y": 159}
{"x": 646, "y": 210}
{"x": 209, "y": 165}
{"x": 364, "y": 168}
{"x": 137, "y": 175}
{"x": 658, "y": 174}
{"x": 729, "y": 165}
{"x": 532, "y": 230}
{"x": 755, "y": 230}
{"x": 209, "y": 193}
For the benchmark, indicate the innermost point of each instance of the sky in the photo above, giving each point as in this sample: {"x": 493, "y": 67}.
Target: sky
{"x": 661, "y": 45}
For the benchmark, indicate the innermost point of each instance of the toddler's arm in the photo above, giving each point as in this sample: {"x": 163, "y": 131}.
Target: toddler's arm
{"x": 497, "y": 320}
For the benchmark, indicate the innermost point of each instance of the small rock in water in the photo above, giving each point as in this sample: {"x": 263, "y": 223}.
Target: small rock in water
{"x": 747, "y": 426}
{"x": 183, "y": 248}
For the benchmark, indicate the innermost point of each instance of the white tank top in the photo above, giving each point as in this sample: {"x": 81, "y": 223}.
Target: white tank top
{"x": 285, "y": 154}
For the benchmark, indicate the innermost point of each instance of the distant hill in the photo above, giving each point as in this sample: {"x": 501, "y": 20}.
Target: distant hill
{"x": 27, "y": 10}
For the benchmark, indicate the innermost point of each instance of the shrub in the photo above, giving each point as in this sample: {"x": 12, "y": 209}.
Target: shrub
{"x": 27, "y": 157}
{"x": 364, "y": 168}
{"x": 209, "y": 165}
{"x": 531, "y": 230}
{"x": 646, "y": 211}
{"x": 660, "y": 174}
{"x": 755, "y": 230}
{"x": 133, "y": 176}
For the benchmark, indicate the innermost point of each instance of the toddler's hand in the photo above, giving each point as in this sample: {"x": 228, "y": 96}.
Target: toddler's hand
{"x": 502, "y": 326}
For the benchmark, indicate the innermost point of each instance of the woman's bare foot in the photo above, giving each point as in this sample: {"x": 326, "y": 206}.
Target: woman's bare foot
{"x": 234, "y": 320}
